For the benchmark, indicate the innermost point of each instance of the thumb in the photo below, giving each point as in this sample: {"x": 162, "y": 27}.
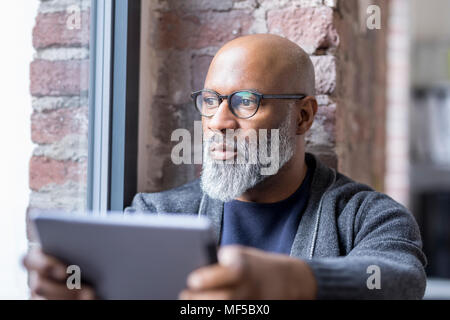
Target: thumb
{"x": 232, "y": 257}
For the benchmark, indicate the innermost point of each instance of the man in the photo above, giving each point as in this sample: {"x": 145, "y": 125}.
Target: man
{"x": 304, "y": 232}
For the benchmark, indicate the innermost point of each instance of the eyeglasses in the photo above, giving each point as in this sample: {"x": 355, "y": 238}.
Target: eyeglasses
{"x": 243, "y": 104}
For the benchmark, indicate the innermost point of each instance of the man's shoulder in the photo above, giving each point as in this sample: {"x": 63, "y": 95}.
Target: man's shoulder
{"x": 183, "y": 199}
{"x": 347, "y": 191}
{"x": 358, "y": 201}
{"x": 334, "y": 184}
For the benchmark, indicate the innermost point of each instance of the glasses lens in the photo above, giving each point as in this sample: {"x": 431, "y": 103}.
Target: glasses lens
{"x": 244, "y": 104}
{"x": 207, "y": 103}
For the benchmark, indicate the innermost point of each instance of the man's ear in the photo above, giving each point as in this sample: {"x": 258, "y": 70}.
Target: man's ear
{"x": 305, "y": 118}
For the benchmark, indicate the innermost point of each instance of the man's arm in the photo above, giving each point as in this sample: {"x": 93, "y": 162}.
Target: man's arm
{"x": 386, "y": 239}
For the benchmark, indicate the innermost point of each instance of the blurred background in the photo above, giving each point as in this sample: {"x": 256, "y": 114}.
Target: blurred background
{"x": 430, "y": 130}
{"x": 91, "y": 92}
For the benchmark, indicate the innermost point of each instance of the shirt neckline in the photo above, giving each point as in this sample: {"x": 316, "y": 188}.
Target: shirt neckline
{"x": 304, "y": 187}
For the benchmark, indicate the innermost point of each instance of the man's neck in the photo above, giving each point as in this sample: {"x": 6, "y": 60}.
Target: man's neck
{"x": 280, "y": 186}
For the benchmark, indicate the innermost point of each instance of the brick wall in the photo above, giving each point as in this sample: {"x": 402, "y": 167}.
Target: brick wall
{"x": 180, "y": 38}
{"x": 59, "y": 87}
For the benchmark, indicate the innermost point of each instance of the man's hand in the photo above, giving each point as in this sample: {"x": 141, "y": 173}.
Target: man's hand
{"x": 247, "y": 273}
{"x": 48, "y": 278}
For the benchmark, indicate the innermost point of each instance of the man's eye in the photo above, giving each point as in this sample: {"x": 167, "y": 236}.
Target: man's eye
{"x": 248, "y": 102}
{"x": 209, "y": 101}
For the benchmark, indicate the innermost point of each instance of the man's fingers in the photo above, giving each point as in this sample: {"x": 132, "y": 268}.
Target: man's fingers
{"x": 34, "y": 296}
{"x": 232, "y": 256}
{"x": 42, "y": 287}
{"x": 213, "y": 277}
{"x": 223, "y": 294}
{"x": 228, "y": 272}
{"x": 44, "y": 264}
{"x": 87, "y": 293}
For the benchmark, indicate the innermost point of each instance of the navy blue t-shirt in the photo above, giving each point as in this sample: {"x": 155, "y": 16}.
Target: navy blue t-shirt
{"x": 266, "y": 226}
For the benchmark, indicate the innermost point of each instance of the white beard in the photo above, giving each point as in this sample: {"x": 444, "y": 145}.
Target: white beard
{"x": 227, "y": 181}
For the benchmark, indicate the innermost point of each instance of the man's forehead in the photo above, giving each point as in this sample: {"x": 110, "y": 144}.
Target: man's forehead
{"x": 240, "y": 68}
{"x": 238, "y": 58}
{"x": 227, "y": 83}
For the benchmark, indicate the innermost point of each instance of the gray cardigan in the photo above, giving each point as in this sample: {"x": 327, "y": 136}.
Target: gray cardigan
{"x": 346, "y": 228}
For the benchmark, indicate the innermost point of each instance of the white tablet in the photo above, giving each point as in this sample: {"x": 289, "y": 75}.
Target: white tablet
{"x": 129, "y": 257}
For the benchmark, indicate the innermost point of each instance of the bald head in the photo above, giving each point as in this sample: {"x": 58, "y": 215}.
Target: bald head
{"x": 271, "y": 65}
{"x": 265, "y": 62}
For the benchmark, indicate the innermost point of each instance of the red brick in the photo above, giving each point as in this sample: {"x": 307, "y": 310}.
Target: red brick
{"x": 199, "y": 5}
{"x": 323, "y": 132}
{"x": 325, "y": 73}
{"x": 45, "y": 171}
{"x": 51, "y": 30}
{"x": 185, "y": 30}
{"x": 199, "y": 69}
{"x": 311, "y": 28}
{"x": 326, "y": 116}
{"x": 59, "y": 78}
{"x": 49, "y": 127}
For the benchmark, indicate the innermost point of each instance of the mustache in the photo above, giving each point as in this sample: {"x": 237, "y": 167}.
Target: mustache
{"x": 246, "y": 148}
{"x": 221, "y": 142}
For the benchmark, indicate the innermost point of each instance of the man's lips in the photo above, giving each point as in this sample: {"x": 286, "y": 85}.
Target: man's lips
{"x": 222, "y": 152}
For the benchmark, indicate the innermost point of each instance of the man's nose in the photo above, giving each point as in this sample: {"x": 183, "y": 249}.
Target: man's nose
{"x": 223, "y": 119}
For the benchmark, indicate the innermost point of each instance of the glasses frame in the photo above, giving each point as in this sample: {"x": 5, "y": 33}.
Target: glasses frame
{"x": 259, "y": 95}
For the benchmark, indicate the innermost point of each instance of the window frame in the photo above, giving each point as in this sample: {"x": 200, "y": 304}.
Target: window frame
{"x": 113, "y": 104}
